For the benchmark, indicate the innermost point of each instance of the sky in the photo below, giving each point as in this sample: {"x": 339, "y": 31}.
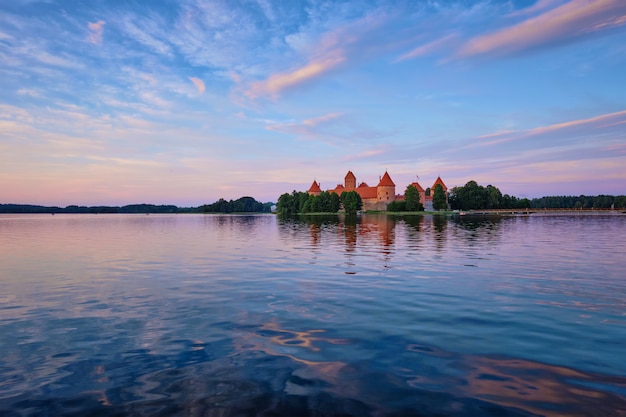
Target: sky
{"x": 188, "y": 101}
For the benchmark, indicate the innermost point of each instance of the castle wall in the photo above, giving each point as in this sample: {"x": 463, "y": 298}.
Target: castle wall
{"x": 386, "y": 193}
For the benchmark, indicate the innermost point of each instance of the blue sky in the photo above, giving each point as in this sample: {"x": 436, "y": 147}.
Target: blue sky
{"x": 184, "y": 102}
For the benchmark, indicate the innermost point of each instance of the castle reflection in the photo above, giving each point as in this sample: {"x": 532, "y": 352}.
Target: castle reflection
{"x": 381, "y": 236}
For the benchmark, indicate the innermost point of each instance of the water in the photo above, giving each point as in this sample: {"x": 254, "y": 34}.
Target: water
{"x": 192, "y": 315}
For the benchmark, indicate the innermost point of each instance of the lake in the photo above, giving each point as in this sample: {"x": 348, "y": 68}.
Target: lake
{"x": 210, "y": 315}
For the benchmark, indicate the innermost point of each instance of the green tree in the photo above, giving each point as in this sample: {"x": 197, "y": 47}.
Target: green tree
{"x": 523, "y": 203}
{"x": 396, "y": 206}
{"x": 300, "y": 198}
{"x": 412, "y": 199}
{"x": 471, "y": 196}
{"x": 335, "y": 203}
{"x": 285, "y": 205}
{"x": 494, "y": 197}
{"x": 323, "y": 202}
{"x": 439, "y": 198}
{"x": 306, "y": 208}
{"x": 351, "y": 201}
{"x": 315, "y": 204}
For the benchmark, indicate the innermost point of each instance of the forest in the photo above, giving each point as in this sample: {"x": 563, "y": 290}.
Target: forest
{"x": 241, "y": 205}
{"x": 74, "y": 209}
{"x": 299, "y": 202}
{"x": 473, "y": 196}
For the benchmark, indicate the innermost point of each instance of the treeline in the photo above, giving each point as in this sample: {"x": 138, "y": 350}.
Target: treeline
{"x": 411, "y": 201}
{"x": 473, "y": 196}
{"x": 241, "y": 205}
{"x": 580, "y": 202}
{"x": 131, "y": 208}
{"x": 299, "y": 202}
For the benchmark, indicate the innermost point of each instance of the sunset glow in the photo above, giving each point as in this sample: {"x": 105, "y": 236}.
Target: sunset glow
{"x": 188, "y": 102}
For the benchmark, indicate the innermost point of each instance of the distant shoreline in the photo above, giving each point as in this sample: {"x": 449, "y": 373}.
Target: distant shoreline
{"x": 74, "y": 209}
{"x": 541, "y": 212}
{"x": 503, "y": 212}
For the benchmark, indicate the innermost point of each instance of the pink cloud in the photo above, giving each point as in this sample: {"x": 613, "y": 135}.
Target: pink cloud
{"x": 275, "y": 84}
{"x": 571, "y": 20}
{"x": 596, "y": 122}
{"x": 307, "y": 126}
{"x": 496, "y": 134}
{"x": 96, "y": 31}
{"x": 428, "y": 48}
{"x": 345, "y": 45}
{"x": 364, "y": 155}
{"x": 199, "y": 84}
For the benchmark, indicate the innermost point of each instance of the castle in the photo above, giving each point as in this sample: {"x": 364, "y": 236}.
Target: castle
{"x": 377, "y": 198}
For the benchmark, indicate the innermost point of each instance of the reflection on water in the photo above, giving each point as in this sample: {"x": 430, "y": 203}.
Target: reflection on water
{"x": 185, "y": 315}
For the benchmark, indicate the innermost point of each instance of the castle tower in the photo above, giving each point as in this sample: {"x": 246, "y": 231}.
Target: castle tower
{"x": 350, "y": 181}
{"x": 386, "y": 189}
{"x": 315, "y": 189}
{"x": 440, "y": 182}
{"x": 420, "y": 191}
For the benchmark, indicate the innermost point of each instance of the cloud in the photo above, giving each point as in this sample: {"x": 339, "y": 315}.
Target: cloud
{"x": 428, "y": 48}
{"x": 28, "y": 92}
{"x": 540, "y": 5}
{"x": 199, "y": 84}
{"x": 145, "y": 31}
{"x": 216, "y": 34}
{"x": 276, "y": 83}
{"x": 579, "y": 127}
{"x": 334, "y": 129}
{"x": 266, "y": 7}
{"x": 347, "y": 44}
{"x": 364, "y": 155}
{"x": 307, "y": 127}
{"x": 599, "y": 122}
{"x": 96, "y": 31}
{"x": 564, "y": 23}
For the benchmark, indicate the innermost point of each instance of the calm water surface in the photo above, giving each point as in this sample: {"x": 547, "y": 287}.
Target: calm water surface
{"x": 194, "y": 315}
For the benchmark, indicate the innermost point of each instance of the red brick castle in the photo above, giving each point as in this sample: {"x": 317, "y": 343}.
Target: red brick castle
{"x": 377, "y": 198}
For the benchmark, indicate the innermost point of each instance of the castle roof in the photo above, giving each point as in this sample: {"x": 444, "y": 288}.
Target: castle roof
{"x": 315, "y": 187}
{"x": 440, "y": 181}
{"x": 350, "y": 175}
{"x": 386, "y": 180}
{"x": 418, "y": 186}
{"x": 367, "y": 192}
{"x": 363, "y": 184}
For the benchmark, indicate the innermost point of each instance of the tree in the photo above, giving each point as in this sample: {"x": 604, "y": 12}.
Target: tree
{"x": 439, "y": 198}
{"x": 412, "y": 199}
{"x": 494, "y": 197}
{"x": 396, "y": 206}
{"x": 323, "y": 202}
{"x": 335, "y": 203}
{"x": 475, "y": 197}
{"x": 351, "y": 201}
{"x": 285, "y": 206}
{"x": 523, "y": 203}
